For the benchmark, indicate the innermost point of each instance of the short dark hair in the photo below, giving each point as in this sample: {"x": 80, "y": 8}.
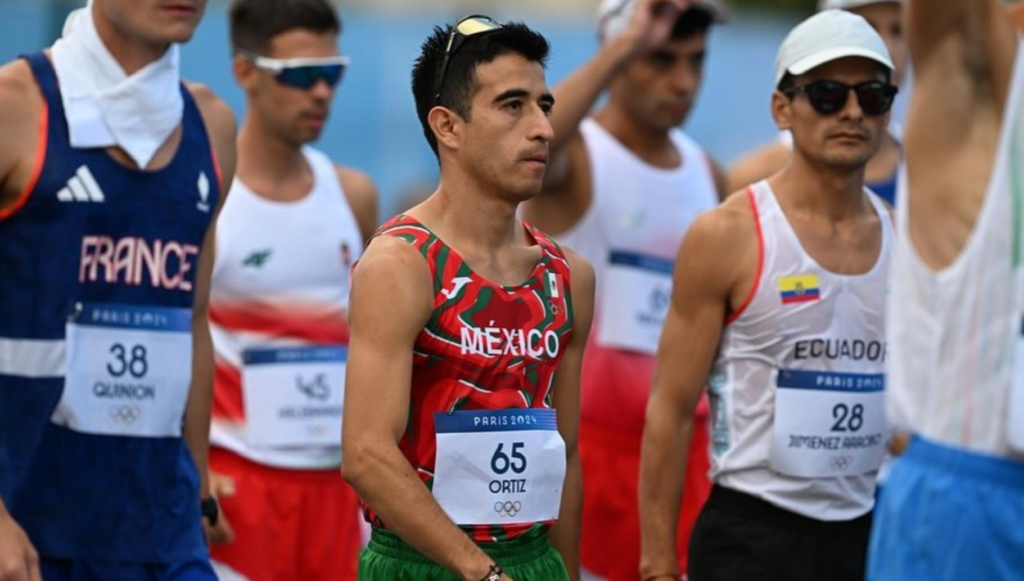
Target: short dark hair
{"x": 254, "y": 23}
{"x": 787, "y": 83}
{"x": 691, "y": 23}
{"x": 460, "y": 80}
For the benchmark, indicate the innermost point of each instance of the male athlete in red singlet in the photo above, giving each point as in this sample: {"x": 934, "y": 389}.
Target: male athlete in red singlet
{"x": 467, "y": 332}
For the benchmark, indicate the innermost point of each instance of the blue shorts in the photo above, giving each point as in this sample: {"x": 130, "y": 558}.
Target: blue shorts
{"x": 65, "y": 570}
{"x": 948, "y": 514}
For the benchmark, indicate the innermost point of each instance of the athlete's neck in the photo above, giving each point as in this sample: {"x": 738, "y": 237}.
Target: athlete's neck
{"x": 468, "y": 219}
{"x": 653, "y": 145}
{"x": 130, "y": 52}
{"x": 270, "y": 167}
{"x": 836, "y": 194}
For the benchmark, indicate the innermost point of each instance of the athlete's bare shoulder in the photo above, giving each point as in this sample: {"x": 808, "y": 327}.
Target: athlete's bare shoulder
{"x": 757, "y": 165}
{"x": 583, "y": 277}
{"x": 583, "y": 285}
{"x": 21, "y": 105}
{"x": 392, "y": 274}
{"x": 361, "y": 193}
{"x": 220, "y": 123}
{"x": 722, "y": 248}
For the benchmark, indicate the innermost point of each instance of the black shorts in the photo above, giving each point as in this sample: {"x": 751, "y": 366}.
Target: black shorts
{"x": 742, "y": 538}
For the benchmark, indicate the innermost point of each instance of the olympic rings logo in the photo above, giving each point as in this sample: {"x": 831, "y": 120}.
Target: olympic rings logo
{"x": 839, "y": 462}
{"x": 508, "y": 508}
{"x": 125, "y": 414}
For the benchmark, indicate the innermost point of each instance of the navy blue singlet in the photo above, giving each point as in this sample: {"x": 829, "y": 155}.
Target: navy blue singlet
{"x": 112, "y": 252}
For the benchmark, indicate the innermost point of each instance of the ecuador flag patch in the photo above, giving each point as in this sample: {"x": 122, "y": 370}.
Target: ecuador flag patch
{"x": 802, "y": 288}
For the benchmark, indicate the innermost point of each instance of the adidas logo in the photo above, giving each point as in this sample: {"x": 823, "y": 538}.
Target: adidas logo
{"x": 82, "y": 187}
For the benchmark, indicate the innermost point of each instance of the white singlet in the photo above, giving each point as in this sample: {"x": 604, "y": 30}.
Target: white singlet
{"x": 797, "y": 386}
{"x": 632, "y": 231}
{"x": 956, "y": 375}
{"x": 278, "y": 316}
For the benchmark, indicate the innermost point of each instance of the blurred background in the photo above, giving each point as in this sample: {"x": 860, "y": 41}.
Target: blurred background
{"x": 374, "y": 126}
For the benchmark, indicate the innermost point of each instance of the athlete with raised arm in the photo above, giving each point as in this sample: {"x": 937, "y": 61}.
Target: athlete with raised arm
{"x": 953, "y": 503}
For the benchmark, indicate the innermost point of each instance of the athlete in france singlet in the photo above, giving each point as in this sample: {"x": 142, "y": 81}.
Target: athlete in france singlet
{"x": 99, "y": 269}
{"x": 481, "y": 395}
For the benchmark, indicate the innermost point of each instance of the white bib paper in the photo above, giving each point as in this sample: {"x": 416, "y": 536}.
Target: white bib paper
{"x": 293, "y": 397}
{"x": 828, "y": 424}
{"x": 499, "y": 467}
{"x": 1015, "y": 423}
{"x": 129, "y": 369}
{"x": 635, "y": 298}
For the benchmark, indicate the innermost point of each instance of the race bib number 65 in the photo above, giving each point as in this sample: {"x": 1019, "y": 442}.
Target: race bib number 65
{"x": 499, "y": 467}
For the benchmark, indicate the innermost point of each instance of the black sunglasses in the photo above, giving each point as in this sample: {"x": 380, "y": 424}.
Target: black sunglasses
{"x": 468, "y": 26}
{"x": 302, "y": 73}
{"x": 828, "y": 97}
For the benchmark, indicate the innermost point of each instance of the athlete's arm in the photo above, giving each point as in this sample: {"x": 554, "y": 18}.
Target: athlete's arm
{"x": 651, "y": 25}
{"x": 18, "y": 558}
{"x": 361, "y": 193}
{"x": 565, "y": 536}
{"x": 757, "y": 165}
{"x": 963, "y": 54}
{"x": 220, "y": 125}
{"x": 719, "y": 177}
{"x": 21, "y": 107}
{"x": 567, "y": 194}
{"x": 711, "y": 261}
{"x": 392, "y": 299}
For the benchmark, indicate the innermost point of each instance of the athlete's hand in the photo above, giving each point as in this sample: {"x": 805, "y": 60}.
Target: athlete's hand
{"x": 898, "y": 443}
{"x": 18, "y": 558}
{"x": 221, "y": 486}
{"x": 652, "y": 23}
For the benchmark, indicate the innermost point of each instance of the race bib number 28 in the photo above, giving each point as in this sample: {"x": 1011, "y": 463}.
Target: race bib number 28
{"x": 499, "y": 467}
{"x": 128, "y": 370}
{"x": 828, "y": 423}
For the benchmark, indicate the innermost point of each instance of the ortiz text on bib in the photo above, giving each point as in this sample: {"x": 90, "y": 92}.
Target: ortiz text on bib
{"x": 499, "y": 467}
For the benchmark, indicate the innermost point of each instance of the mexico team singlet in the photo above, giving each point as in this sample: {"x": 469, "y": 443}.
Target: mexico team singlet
{"x": 481, "y": 434}
{"x": 97, "y": 277}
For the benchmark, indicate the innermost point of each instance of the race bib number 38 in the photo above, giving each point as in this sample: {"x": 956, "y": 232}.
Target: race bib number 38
{"x": 294, "y": 396}
{"x": 499, "y": 467}
{"x": 828, "y": 424}
{"x": 128, "y": 370}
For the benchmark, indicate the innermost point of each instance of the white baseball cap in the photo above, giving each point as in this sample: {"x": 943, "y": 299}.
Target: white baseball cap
{"x": 613, "y": 16}
{"x": 827, "y": 36}
{"x": 848, "y": 4}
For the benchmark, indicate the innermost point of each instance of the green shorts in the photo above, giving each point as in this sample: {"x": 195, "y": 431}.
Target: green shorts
{"x": 389, "y": 558}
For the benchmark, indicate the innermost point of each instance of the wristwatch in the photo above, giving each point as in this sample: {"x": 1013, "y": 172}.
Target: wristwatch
{"x": 209, "y": 509}
{"x": 494, "y": 573}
